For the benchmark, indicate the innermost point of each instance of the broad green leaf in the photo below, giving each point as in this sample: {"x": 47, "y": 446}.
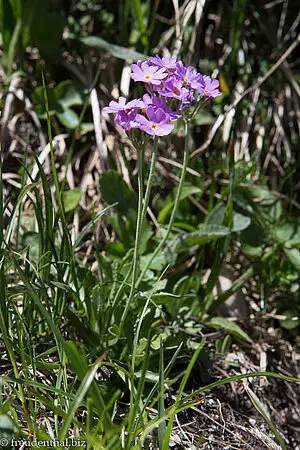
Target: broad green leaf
{"x": 291, "y": 322}
{"x": 268, "y": 203}
{"x": 253, "y": 239}
{"x": 60, "y": 99}
{"x": 68, "y": 118}
{"x": 39, "y": 102}
{"x": 288, "y": 233}
{"x": 69, "y": 93}
{"x": 115, "y": 189}
{"x": 145, "y": 237}
{"x": 164, "y": 298}
{"x": 240, "y": 221}
{"x": 158, "y": 263}
{"x": 115, "y": 50}
{"x": 230, "y": 326}
{"x": 205, "y": 234}
{"x": 293, "y": 255}
{"x": 71, "y": 199}
{"x": 241, "y": 217}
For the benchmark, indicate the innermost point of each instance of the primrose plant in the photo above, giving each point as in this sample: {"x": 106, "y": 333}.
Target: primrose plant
{"x": 174, "y": 92}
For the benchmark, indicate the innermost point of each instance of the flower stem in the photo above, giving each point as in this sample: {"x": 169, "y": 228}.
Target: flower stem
{"x": 142, "y": 211}
{"x": 150, "y": 180}
{"x": 176, "y": 203}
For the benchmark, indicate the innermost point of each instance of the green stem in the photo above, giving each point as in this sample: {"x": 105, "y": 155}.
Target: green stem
{"x": 176, "y": 203}
{"x": 143, "y": 216}
{"x": 150, "y": 180}
{"x": 137, "y": 235}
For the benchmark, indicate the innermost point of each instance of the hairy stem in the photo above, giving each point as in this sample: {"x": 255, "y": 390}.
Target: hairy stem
{"x": 176, "y": 203}
{"x": 145, "y": 203}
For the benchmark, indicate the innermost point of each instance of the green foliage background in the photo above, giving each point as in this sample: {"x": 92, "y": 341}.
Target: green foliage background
{"x": 71, "y": 363}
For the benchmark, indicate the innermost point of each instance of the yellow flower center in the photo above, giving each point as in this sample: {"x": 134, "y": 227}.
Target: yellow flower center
{"x": 147, "y": 77}
{"x": 205, "y": 90}
{"x": 154, "y": 126}
{"x": 176, "y": 91}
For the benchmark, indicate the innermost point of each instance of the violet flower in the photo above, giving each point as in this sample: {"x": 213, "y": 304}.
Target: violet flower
{"x": 188, "y": 75}
{"x": 157, "y": 103}
{"x": 121, "y": 105}
{"x": 126, "y": 119}
{"x": 167, "y": 63}
{"x": 147, "y": 74}
{"x": 157, "y": 123}
{"x": 187, "y": 100}
{"x": 173, "y": 88}
{"x": 170, "y": 84}
{"x": 209, "y": 87}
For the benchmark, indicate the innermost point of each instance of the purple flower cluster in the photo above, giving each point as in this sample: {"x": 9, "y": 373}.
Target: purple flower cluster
{"x": 172, "y": 87}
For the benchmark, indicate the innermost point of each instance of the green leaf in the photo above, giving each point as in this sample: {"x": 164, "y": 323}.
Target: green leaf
{"x": 205, "y": 234}
{"x": 241, "y": 216}
{"x": 230, "y": 327}
{"x": 293, "y": 255}
{"x": 71, "y": 199}
{"x": 115, "y": 189}
{"x": 39, "y": 102}
{"x": 240, "y": 222}
{"x": 68, "y": 118}
{"x": 291, "y": 322}
{"x": 60, "y": 99}
{"x": 158, "y": 263}
{"x": 113, "y": 334}
{"x": 187, "y": 190}
{"x": 31, "y": 239}
{"x": 115, "y": 50}
{"x": 253, "y": 239}
{"x": 288, "y": 233}
{"x": 165, "y": 298}
{"x": 69, "y": 93}
{"x": 267, "y": 203}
